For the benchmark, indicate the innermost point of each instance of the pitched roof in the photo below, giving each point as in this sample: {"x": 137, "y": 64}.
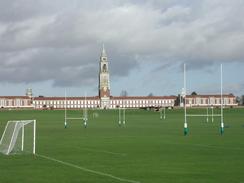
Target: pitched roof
{"x": 67, "y": 98}
{"x": 209, "y": 96}
{"x": 14, "y": 97}
{"x": 143, "y": 97}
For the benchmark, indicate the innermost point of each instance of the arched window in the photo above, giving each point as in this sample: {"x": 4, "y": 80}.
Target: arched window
{"x": 104, "y": 68}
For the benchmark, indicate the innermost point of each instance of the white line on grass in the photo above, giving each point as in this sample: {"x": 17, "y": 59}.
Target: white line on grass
{"x": 210, "y": 146}
{"x": 87, "y": 170}
{"x": 218, "y": 147}
{"x": 104, "y": 151}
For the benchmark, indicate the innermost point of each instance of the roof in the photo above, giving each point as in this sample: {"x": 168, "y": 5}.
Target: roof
{"x": 144, "y": 97}
{"x": 14, "y": 97}
{"x": 209, "y": 96}
{"x": 67, "y": 98}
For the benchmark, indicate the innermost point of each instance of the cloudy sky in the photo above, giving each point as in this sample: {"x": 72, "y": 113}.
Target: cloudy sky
{"x": 52, "y": 45}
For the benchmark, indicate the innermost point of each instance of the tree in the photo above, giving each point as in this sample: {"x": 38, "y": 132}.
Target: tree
{"x": 238, "y": 100}
{"x": 194, "y": 93}
{"x": 123, "y": 93}
{"x": 242, "y": 100}
{"x": 177, "y": 101}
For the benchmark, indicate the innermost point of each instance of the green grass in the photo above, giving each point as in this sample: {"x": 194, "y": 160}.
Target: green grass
{"x": 147, "y": 149}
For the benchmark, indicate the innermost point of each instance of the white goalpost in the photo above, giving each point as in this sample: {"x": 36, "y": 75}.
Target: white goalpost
{"x": 162, "y": 114}
{"x": 19, "y": 137}
{"x": 184, "y": 94}
{"x": 208, "y": 114}
{"x": 122, "y": 118}
{"x": 84, "y": 117}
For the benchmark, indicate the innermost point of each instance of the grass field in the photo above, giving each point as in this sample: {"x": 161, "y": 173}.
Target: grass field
{"x": 146, "y": 150}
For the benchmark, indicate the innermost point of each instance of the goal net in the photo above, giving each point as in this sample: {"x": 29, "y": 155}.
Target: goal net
{"x": 18, "y": 137}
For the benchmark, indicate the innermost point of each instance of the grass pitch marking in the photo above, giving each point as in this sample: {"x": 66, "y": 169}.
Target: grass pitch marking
{"x": 104, "y": 151}
{"x": 209, "y": 146}
{"x": 87, "y": 170}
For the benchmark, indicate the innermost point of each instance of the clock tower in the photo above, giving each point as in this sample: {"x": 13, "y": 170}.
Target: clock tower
{"x": 104, "y": 85}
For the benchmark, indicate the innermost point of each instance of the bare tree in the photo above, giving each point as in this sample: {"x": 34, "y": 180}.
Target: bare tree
{"x": 150, "y": 94}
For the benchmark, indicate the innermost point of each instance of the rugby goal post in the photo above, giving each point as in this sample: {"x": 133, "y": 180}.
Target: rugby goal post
{"x": 19, "y": 137}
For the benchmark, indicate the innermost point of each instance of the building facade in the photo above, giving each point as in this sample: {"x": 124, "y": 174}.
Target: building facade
{"x": 15, "y": 102}
{"x": 65, "y": 102}
{"x": 104, "y": 100}
{"x": 210, "y": 100}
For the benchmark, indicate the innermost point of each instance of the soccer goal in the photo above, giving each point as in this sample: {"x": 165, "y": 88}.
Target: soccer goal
{"x": 19, "y": 137}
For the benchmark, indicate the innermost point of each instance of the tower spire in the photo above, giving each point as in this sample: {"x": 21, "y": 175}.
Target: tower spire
{"x": 104, "y": 54}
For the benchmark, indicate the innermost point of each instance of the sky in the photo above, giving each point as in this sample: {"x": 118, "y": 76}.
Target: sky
{"x": 52, "y": 45}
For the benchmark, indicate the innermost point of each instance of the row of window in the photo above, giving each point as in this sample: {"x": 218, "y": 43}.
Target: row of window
{"x": 67, "y": 106}
{"x": 13, "y": 103}
{"x": 96, "y": 102}
{"x": 120, "y": 102}
{"x": 211, "y": 102}
{"x": 62, "y": 102}
{"x": 141, "y": 105}
{"x": 112, "y": 105}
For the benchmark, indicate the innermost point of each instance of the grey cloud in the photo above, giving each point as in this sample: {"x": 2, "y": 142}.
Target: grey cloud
{"x": 47, "y": 40}
{"x": 235, "y": 88}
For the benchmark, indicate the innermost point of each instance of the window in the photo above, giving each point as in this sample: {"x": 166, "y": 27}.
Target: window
{"x": 104, "y": 67}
